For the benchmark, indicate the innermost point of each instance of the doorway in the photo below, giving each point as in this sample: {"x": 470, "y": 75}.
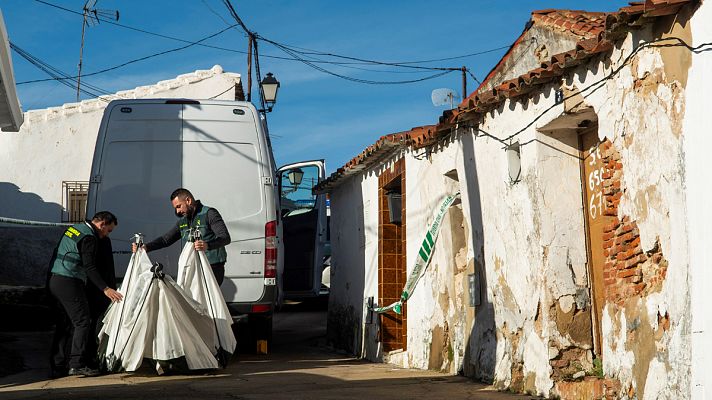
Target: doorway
{"x": 391, "y": 254}
{"x": 593, "y": 179}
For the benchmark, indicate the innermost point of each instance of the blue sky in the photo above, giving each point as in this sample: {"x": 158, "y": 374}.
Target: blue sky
{"x": 317, "y": 115}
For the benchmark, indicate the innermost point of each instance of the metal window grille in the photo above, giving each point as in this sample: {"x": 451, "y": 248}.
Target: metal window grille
{"x": 74, "y": 201}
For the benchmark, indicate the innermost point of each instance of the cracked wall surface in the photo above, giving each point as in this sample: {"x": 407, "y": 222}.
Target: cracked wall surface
{"x": 536, "y": 326}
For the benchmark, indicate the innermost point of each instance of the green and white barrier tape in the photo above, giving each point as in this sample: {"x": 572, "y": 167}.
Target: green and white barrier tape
{"x": 423, "y": 259}
{"x": 32, "y": 223}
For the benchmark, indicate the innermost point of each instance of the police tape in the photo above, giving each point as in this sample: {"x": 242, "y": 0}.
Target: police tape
{"x": 423, "y": 259}
{"x": 16, "y": 221}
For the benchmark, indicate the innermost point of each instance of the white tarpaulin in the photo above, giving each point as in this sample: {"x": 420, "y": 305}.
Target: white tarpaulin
{"x": 159, "y": 321}
{"x": 195, "y": 277}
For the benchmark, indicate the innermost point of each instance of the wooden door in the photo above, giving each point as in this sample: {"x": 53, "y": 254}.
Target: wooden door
{"x": 592, "y": 176}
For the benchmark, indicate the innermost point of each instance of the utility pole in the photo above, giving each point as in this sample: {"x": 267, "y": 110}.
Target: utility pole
{"x": 91, "y": 16}
{"x": 249, "y": 67}
{"x": 464, "y": 82}
{"x": 81, "y": 48}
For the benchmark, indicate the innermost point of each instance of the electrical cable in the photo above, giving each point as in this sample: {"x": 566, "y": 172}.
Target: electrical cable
{"x": 137, "y": 59}
{"x": 222, "y": 93}
{"x": 358, "y": 80}
{"x": 365, "y": 62}
{"x": 58, "y": 75}
{"x": 595, "y": 86}
{"x": 219, "y": 16}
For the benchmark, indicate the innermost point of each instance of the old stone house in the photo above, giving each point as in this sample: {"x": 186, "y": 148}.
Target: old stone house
{"x": 575, "y": 262}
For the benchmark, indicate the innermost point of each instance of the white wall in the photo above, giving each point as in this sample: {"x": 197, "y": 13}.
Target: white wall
{"x": 57, "y": 144}
{"x": 697, "y": 144}
{"x": 354, "y": 244}
{"x": 529, "y": 236}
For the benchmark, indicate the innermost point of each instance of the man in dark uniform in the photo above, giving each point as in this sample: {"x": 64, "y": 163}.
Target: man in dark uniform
{"x": 98, "y": 303}
{"x": 196, "y": 216}
{"x": 74, "y": 262}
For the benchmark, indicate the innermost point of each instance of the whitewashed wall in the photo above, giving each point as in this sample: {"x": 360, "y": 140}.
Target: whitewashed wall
{"x": 698, "y": 177}
{"x": 354, "y": 263}
{"x": 529, "y": 236}
{"x": 637, "y": 110}
{"x": 57, "y": 144}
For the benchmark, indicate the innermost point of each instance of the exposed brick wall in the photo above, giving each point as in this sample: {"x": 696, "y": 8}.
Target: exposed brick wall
{"x": 391, "y": 259}
{"x": 590, "y": 387}
{"x": 628, "y": 271}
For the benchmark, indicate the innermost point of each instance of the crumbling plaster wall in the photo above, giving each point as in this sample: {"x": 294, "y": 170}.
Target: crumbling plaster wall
{"x": 57, "y": 144}
{"x": 439, "y": 316}
{"x": 438, "y": 331}
{"x": 537, "y": 45}
{"x": 534, "y": 250}
{"x": 646, "y": 341}
{"x": 697, "y": 143}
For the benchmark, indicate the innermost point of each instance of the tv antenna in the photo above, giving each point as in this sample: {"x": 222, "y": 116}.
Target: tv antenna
{"x": 444, "y": 97}
{"x": 92, "y": 17}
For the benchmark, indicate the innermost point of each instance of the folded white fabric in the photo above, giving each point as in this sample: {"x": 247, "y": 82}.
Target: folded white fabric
{"x": 196, "y": 278}
{"x": 156, "y": 320}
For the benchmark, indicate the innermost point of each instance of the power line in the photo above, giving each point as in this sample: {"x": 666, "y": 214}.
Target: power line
{"x": 365, "y": 62}
{"x": 218, "y": 15}
{"x": 58, "y": 75}
{"x": 595, "y": 86}
{"x": 352, "y": 79}
{"x": 137, "y": 59}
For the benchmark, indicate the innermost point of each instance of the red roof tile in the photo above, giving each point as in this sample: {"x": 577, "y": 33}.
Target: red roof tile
{"x": 580, "y": 23}
{"x": 597, "y": 30}
{"x": 384, "y": 147}
{"x": 605, "y": 27}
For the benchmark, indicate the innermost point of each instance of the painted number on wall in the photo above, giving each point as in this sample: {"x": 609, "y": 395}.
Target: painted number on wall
{"x": 595, "y": 180}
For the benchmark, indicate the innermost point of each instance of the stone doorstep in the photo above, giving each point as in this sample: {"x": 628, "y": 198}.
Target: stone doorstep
{"x": 590, "y": 387}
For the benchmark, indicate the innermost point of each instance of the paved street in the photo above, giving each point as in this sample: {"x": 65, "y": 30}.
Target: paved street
{"x": 299, "y": 367}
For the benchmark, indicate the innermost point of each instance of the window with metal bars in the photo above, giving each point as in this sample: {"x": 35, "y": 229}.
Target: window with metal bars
{"x": 74, "y": 200}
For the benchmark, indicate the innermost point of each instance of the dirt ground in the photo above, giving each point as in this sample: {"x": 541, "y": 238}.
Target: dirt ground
{"x": 298, "y": 366}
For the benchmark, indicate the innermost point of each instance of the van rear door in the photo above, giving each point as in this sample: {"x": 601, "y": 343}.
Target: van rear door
{"x": 136, "y": 166}
{"x": 303, "y": 216}
{"x": 225, "y": 165}
{"x": 148, "y": 148}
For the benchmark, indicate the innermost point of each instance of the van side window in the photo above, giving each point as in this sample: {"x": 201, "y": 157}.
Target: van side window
{"x": 296, "y": 193}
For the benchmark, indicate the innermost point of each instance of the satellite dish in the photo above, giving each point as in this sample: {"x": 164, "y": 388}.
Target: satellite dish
{"x": 444, "y": 97}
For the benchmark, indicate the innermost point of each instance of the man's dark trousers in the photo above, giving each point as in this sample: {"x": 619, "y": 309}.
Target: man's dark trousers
{"x": 71, "y": 294}
{"x": 219, "y": 272}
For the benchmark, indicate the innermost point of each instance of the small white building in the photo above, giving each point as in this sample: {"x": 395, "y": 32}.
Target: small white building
{"x": 44, "y": 168}
{"x": 576, "y": 261}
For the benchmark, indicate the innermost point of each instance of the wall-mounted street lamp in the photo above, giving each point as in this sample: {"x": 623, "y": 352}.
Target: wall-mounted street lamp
{"x": 270, "y": 86}
{"x": 295, "y": 176}
{"x": 514, "y": 161}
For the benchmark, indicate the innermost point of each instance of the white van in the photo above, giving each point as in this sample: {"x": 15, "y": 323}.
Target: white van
{"x": 220, "y": 151}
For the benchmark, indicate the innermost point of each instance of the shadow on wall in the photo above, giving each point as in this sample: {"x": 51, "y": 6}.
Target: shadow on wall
{"x": 26, "y": 250}
{"x": 480, "y": 354}
{"x": 26, "y": 205}
{"x": 345, "y": 321}
{"x": 25, "y": 254}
